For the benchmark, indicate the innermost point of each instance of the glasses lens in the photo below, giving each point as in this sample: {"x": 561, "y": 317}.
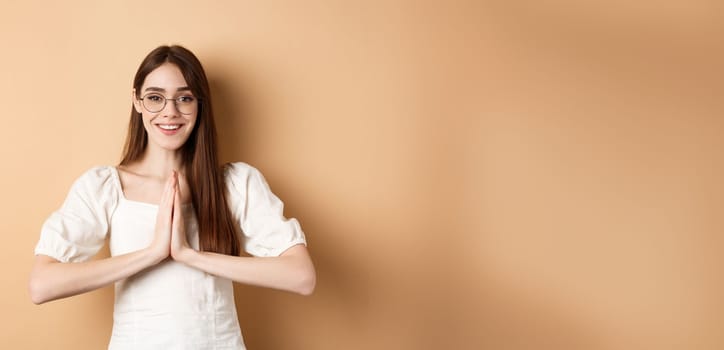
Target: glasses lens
{"x": 154, "y": 102}
{"x": 186, "y": 104}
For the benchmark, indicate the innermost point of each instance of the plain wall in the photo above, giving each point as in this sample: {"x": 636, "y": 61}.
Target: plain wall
{"x": 470, "y": 174}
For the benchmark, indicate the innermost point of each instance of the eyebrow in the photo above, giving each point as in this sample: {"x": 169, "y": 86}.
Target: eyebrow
{"x": 153, "y": 88}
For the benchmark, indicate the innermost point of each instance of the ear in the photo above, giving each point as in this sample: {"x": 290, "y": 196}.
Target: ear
{"x": 136, "y": 102}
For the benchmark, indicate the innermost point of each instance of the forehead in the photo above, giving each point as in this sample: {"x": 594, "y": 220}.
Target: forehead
{"x": 166, "y": 76}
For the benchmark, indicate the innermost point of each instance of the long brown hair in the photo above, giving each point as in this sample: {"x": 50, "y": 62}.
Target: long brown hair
{"x": 205, "y": 177}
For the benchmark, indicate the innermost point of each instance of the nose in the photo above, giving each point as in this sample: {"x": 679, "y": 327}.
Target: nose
{"x": 170, "y": 108}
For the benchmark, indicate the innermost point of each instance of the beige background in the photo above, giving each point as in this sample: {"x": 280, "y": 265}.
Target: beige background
{"x": 470, "y": 175}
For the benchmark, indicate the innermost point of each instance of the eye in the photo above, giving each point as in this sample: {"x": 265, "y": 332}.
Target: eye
{"x": 186, "y": 99}
{"x": 154, "y": 98}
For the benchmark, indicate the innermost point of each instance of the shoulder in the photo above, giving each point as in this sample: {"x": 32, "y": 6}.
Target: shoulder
{"x": 239, "y": 171}
{"x": 97, "y": 175}
{"x": 243, "y": 179}
{"x": 99, "y": 180}
{"x": 237, "y": 167}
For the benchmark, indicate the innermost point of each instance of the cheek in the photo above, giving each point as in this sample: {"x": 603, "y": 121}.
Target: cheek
{"x": 192, "y": 123}
{"x": 146, "y": 122}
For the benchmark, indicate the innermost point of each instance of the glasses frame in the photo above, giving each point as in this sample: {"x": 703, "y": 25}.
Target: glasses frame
{"x": 176, "y": 101}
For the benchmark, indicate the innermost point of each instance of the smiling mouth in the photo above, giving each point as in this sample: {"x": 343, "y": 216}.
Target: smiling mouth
{"x": 169, "y": 129}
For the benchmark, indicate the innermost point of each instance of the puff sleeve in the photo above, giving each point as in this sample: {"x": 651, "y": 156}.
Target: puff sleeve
{"x": 260, "y": 214}
{"x": 77, "y": 231}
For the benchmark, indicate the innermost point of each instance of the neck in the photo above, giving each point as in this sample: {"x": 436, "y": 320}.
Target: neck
{"x": 159, "y": 162}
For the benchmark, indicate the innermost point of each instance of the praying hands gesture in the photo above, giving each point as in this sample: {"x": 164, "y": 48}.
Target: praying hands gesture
{"x": 170, "y": 236}
{"x": 292, "y": 270}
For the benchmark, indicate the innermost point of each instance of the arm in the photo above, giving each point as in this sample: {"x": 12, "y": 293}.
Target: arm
{"x": 292, "y": 271}
{"x": 51, "y": 279}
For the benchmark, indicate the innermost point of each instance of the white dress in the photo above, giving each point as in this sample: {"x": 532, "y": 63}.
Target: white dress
{"x": 170, "y": 305}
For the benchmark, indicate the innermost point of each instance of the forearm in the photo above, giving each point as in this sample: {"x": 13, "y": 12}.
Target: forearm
{"x": 51, "y": 280}
{"x": 293, "y": 271}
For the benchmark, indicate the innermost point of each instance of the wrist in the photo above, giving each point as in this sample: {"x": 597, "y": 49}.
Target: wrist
{"x": 155, "y": 255}
{"x": 184, "y": 255}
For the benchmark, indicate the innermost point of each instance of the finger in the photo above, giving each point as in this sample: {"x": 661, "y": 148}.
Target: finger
{"x": 177, "y": 192}
{"x": 168, "y": 196}
{"x": 176, "y": 204}
{"x": 166, "y": 205}
{"x": 167, "y": 188}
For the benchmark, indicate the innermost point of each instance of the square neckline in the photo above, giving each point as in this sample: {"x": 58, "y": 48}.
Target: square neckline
{"x": 122, "y": 195}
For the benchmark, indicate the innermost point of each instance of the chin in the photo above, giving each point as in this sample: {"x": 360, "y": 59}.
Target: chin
{"x": 169, "y": 145}
{"x": 173, "y": 147}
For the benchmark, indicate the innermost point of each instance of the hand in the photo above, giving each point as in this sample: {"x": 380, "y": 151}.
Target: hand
{"x": 179, "y": 243}
{"x": 161, "y": 245}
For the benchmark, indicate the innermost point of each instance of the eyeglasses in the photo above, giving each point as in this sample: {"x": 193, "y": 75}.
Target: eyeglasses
{"x": 155, "y": 103}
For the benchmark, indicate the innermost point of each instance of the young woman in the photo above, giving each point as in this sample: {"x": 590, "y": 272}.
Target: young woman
{"x": 175, "y": 221}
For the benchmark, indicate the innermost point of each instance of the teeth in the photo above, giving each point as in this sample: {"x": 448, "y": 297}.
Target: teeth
{"x": 169, "y": 127}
